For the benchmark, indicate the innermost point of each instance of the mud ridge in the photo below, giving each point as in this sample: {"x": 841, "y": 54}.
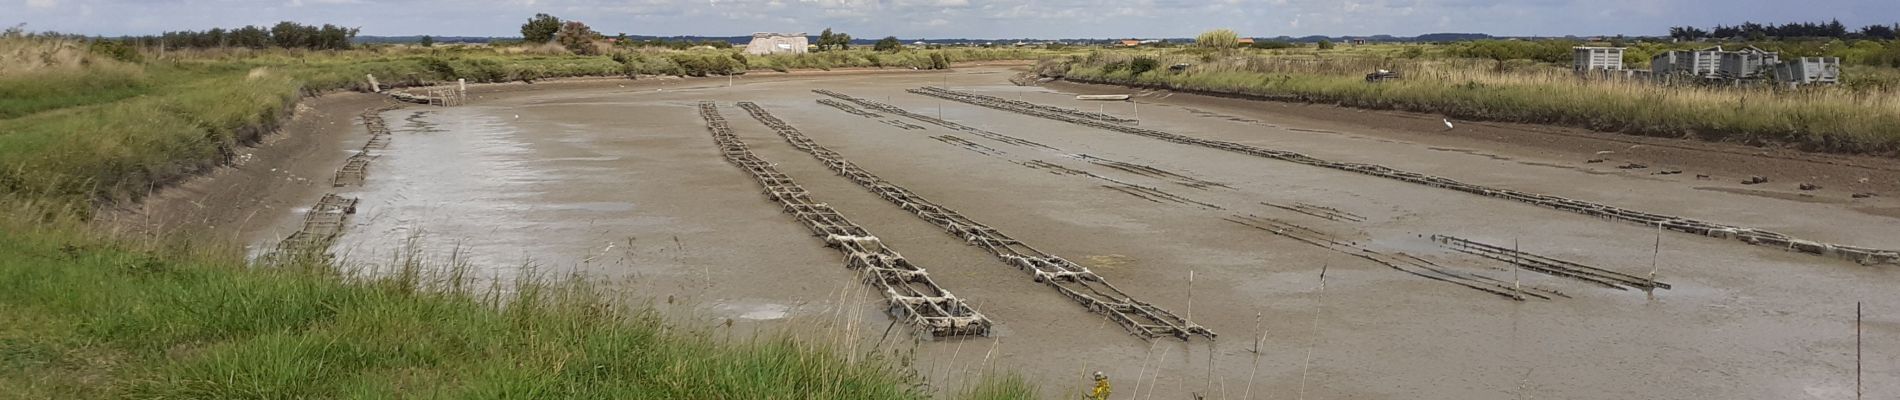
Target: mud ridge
{"x": 908, "y": 290}
{"x": 1753, "y": 236}
{"x": 1550, "y": 266}
{"x": 1068, "y": 278}
{"x": 1152, "y": 172}
{"x": 1318, "y": 211}
{"x": 1045, "y": 108}
{"x": 848, "y": 109}
{"x": 967, "y": 144}
{"x": 933, "y": 120}
{"x": 1405, "y": 263}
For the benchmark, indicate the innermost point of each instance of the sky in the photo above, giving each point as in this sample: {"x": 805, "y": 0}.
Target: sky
{"x": 947, "y": 18}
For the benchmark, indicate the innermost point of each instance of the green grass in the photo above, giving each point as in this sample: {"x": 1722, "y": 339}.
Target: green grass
{"x": 1833, "y": 119}
{"x": 40, "y": 91}
{"x": 95, "y": 318}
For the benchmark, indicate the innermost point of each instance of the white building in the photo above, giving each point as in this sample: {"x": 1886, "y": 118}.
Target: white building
{"x": 777, "y": 43}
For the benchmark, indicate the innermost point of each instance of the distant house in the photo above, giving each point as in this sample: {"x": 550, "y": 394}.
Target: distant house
{"x": 1130, "y": 42}
{"x": 1246, "y": 41}
{"x": 777, "y": 43}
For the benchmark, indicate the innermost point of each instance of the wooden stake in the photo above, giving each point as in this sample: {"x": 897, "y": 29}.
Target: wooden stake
{"x": 1517, "y": 285}
{"x": 1317, "y": 298}
{"x": 1654, "y": 254}
{"x": 1256, "y": 355}
{"x": 1857, "y": 363}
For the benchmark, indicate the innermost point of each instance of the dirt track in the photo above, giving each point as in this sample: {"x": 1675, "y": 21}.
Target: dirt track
{"x": 621, "y": 181}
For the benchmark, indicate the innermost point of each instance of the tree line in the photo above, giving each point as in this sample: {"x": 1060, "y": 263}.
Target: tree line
{"x": 1793, "y": 30}
{"x": 288, "y": 35}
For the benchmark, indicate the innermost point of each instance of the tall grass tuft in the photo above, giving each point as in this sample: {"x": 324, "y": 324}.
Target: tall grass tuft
{"x": 94, "y": 317}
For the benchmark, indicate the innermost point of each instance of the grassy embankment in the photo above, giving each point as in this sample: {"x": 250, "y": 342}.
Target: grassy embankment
{"x": 1837, "y": 119}
{"x": 91, "y": 315}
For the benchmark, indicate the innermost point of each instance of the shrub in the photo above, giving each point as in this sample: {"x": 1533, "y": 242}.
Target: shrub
{"x": 1218, "y": 39}
{"x": 1143, "y": 64}
{"x": 439, "y": 67}
{"x": 578, "y": 38}
{"x": 1272, "y": 44}
{"x": 540, "y": 29}
{"x": 116, "y": 50}
{"x": 938, "y": 61}
{"x": 888, "y": 43}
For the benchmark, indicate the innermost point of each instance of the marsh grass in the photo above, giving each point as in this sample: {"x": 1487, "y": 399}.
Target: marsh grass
{"x": 97, "y": 317}
{"x": 1834, "y": 119}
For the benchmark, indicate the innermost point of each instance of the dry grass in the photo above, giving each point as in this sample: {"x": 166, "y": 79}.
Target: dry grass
{"x": 1838, "y": 119}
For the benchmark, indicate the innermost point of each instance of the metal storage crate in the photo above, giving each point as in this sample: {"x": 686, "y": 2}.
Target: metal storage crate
{"x": 1596, "y": 58}
{"x": 1809, "y": 70}
{"x": 1747, "y": 64}
{"x": 1702, "y": 63}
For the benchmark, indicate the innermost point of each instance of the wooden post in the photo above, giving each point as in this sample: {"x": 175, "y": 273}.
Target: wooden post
{"x": 1190, "y": 305}
{"x": 1654, "y": 254}
{"x": 1857, "y": 362}
{"x": 1317, "y": 298}
{"x": 373, "y": 86}
{"x": 1517, "y": 285}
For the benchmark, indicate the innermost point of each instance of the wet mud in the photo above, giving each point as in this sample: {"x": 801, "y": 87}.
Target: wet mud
{"x": 1425, "y": 295}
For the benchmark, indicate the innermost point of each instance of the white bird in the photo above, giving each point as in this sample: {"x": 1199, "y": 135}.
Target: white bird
{"x": 517, "y": 116}
{"x": 1447, "y": 124}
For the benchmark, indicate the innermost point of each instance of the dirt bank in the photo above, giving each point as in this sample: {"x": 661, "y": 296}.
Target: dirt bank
{"x": 264, "y": 186}
{"x": 1725, "y": 164}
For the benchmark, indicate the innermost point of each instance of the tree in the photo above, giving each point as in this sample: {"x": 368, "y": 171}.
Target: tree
{"x": 428, "y": 41}
{"x": 1325, "y": 44}
{"x": 1878, "y": 32}
{"x": 287, "y": 34}
{"x": 540, "y": 29}
{"x": 888, "y": 43}
{"x": 1222, "y": 39}
{"x": 824, "y": 40}
{"x": 577, "y": 37}
{"x": 842, "y": 40}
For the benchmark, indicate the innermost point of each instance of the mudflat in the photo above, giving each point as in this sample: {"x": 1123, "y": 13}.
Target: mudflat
{"x": 620, "y": 181}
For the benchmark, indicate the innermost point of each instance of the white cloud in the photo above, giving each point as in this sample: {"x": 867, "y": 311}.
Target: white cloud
{"x": 955, "y": 18}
